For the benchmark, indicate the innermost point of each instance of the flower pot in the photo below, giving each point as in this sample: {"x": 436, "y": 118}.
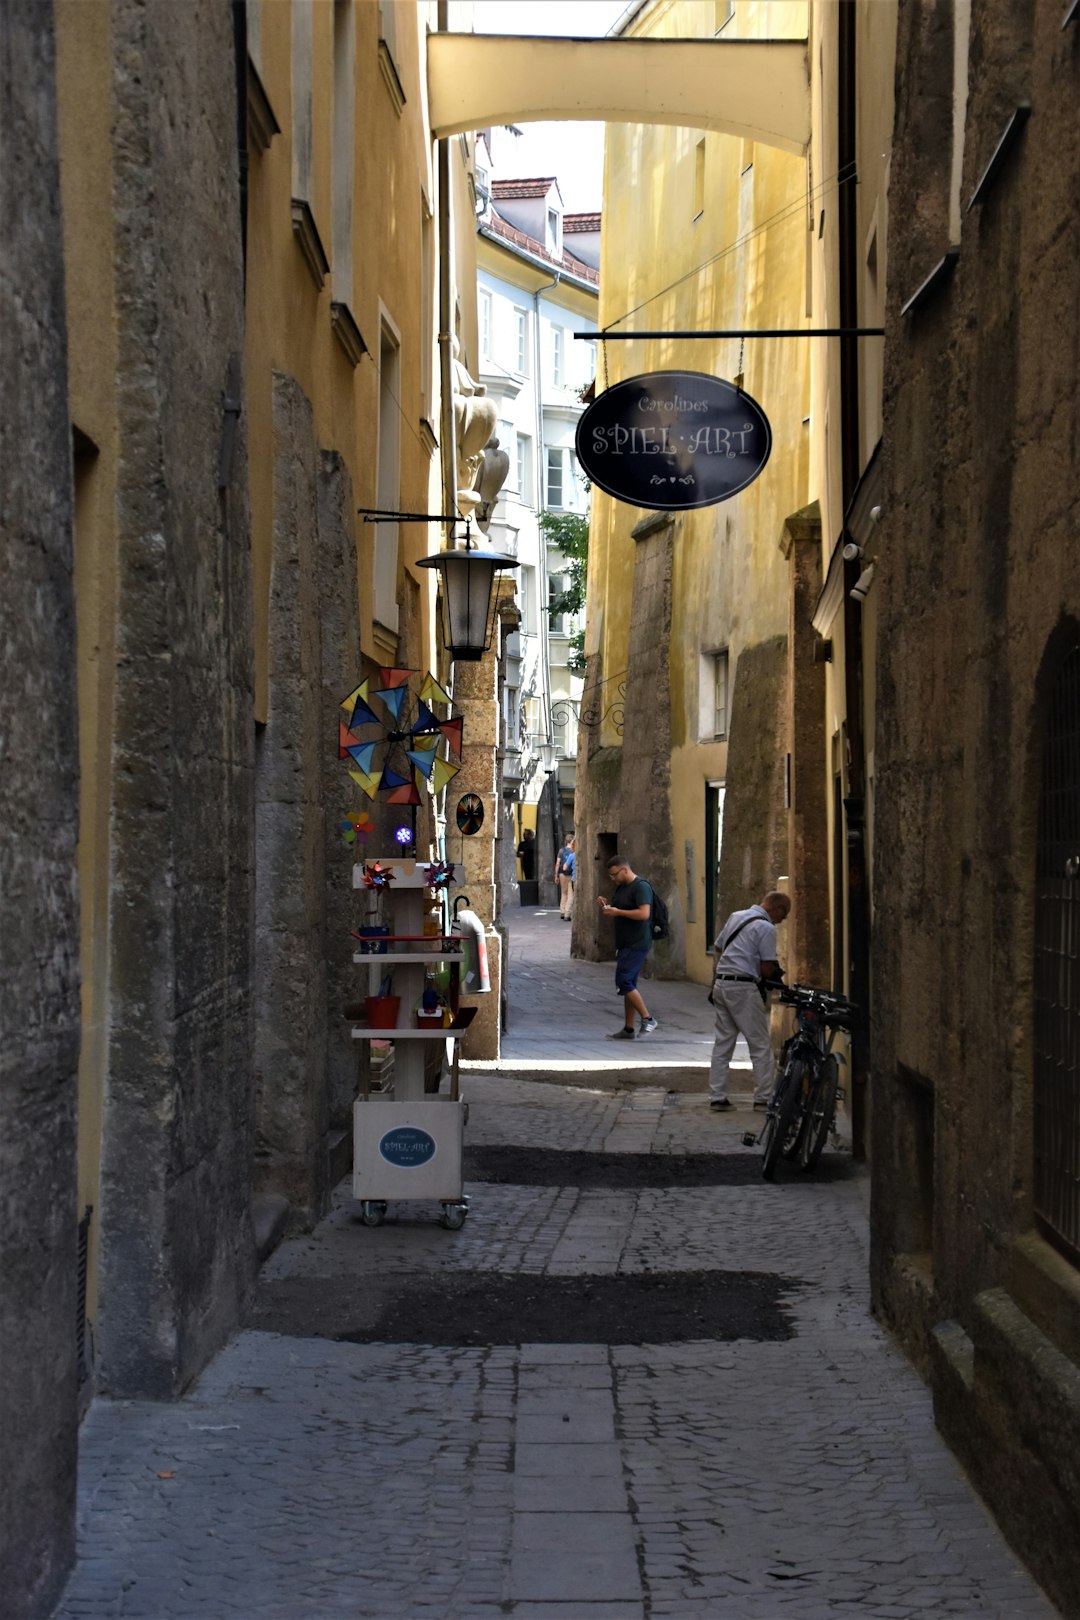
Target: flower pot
{"x": 382, "y": 1011}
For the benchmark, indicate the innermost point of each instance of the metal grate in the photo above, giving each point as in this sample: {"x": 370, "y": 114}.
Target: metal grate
{"x": 1057, "y": 969}
{"x": 80, "y": 1318}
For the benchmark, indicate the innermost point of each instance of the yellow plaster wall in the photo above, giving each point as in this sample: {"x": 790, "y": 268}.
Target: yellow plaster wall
{"x": 876, "y": 50}
{"x": 288, "y": 318}
{"x": 741, "y": 263}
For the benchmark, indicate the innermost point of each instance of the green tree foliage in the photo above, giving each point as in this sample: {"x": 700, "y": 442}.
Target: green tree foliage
{"x": 568, "y": 534}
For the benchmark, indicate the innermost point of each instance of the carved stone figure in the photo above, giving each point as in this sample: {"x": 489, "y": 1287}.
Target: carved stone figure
{"x": 490, "y": 478}
{"x": 474, "y": 424}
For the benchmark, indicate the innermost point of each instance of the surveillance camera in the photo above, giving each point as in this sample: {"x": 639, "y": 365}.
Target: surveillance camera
{"x": 851, "y": 551}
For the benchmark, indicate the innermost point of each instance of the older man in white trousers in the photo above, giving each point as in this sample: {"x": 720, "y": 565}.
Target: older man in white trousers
{"x": 745, "y": 951}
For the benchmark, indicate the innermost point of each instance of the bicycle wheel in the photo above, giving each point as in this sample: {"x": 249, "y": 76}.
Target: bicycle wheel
{"x": 806, "y": 1083}
{"x": 819, "y": 1116}
{"x": 782, "y": 1121}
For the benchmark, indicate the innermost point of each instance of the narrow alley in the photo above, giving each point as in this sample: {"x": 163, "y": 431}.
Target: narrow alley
{"x": 638, "y": 1384}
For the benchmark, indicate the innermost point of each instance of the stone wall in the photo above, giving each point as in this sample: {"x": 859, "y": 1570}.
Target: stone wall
{"x": 755, "y": 847}
{"x": 290, "y": 980}
{"x": 339, "y": 616}
{"x": 977, "y": 571}
{"x": 39, "y": 943}
{"x": 176, "y": 1243}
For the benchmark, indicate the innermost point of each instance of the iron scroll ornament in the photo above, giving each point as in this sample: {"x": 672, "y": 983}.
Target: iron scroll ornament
{"x": 670, "y": 441}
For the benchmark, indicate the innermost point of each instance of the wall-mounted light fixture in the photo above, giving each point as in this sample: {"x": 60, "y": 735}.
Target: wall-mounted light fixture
{"x": 549, "y": 756}
{"x": 468, "y": 599}
{"x": 467, "y": 580}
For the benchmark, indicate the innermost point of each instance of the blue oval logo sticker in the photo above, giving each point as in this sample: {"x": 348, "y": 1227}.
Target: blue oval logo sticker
{"x": 407, "y": 1147}
{"x": 672, "y": 440}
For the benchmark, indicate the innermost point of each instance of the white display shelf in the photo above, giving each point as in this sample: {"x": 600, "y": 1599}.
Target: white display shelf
{"x": 406, "y": 875}
{"x": 373, "y": 958}
{"x": 363, "y": 1032}
{"x": 412, "y": 1032}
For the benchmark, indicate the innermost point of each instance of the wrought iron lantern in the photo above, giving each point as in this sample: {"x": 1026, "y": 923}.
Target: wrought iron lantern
{"x": 468, "y": 597}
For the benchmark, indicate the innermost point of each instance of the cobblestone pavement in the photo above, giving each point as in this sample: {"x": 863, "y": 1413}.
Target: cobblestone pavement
{"x": 791, "y": 1479}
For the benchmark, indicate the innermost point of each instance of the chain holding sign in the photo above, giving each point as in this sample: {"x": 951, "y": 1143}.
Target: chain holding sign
{"x": 670, "y": 441}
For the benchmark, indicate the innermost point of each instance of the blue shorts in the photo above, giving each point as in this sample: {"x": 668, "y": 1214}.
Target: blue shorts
{"x": 627, "y": 967}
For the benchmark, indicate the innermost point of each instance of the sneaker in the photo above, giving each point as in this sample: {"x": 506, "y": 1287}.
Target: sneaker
{"x": 761, "y": 1107}
{"x": 647, "y": 1025}
{"x": 721, "y": 1103}
{"x": 623, "y": 1035}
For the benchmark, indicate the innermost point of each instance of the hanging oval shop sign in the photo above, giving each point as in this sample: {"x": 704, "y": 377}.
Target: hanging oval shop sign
{"x": 672, "y": 440}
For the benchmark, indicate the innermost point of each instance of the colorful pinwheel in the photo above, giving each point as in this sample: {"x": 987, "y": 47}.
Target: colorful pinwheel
{"x": 397, "y": 754}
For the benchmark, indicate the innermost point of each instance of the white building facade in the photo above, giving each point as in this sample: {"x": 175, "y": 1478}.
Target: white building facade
{"x": 534, "y": 294}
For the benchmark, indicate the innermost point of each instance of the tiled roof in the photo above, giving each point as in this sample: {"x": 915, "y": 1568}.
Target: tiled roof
{"x": 522, "y": 188}
{"x": 580, "y": 222}
{"x": 497, "y": 226}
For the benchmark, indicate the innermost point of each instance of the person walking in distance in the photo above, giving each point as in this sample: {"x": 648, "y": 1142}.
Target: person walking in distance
{"x": 526, "y": 854}
{"x": 631, "y": 908}
{"x": 565, "y": 863}
{"x": 746, "y": 954}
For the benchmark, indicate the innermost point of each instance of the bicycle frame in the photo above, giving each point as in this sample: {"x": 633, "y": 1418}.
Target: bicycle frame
{"x": 801, "y": 1111}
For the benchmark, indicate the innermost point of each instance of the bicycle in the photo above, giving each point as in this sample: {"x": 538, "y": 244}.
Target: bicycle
{"x": 802, "y": 1109}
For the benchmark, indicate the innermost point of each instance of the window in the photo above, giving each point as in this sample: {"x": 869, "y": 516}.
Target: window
{"x": 388, "y": 482}
{"x": 556, "y": 478}
{"x": 484, "y": 313}
{"x": 521, "y": 466}
{"x": 588, "y": 363}
{"x": 557, "y": 622}
{"x": 699, "y": 179}
{"x": 557, "y": 356}
{"x": 343, "y": 150}
{"x": 720, "y": 693}
{"x": 525, "y": 598}
{"x": 301, "y": 100}
{"x": 553, "y": 230}
{"x": 428, "y": 294}
{"x": 713, "y": 716}
{"x": 388, "y": 28}
{"x": 521, "y": 336}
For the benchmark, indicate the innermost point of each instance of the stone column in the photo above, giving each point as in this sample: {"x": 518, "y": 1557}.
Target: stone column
{"x": 806, "y": 947}
{"x": 39, "y": 943}
{"x": 477, "y": 700}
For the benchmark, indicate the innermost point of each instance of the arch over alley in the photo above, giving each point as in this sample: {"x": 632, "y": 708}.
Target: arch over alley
{"x": 756, "y": 89}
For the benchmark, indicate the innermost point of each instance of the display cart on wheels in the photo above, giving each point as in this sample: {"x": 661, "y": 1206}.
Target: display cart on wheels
{"x": 407, "y": 1145}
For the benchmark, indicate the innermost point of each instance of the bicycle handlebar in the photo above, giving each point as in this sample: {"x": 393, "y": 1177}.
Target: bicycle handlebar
{"x": 833, "y": 1008}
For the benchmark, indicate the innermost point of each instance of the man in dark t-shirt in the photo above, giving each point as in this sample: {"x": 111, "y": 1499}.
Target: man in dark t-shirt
{"x": 631, "y": 908}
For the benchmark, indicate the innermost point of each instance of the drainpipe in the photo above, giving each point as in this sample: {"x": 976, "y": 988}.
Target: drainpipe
{"x": 541, "y": 471}
{"x": 855, "y": 804}
{"x": 446, "y": 378}
{"x": 446, "y": 261}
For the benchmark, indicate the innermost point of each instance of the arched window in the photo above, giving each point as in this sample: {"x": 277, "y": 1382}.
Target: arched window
{"x": 1057, "y": 967}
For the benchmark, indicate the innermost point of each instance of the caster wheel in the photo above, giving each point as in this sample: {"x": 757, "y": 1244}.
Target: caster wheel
{"x": 372, "y": 1214}
{"x": 454, "y": 1217}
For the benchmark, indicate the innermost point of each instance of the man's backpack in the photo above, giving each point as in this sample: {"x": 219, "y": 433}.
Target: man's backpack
{"x": 659, "y": 921}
